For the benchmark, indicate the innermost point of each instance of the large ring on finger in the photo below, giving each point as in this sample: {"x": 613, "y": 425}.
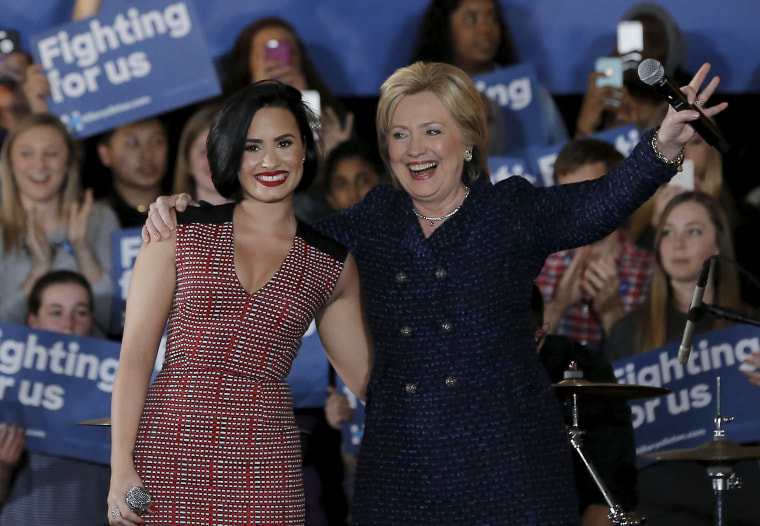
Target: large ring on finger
{"x": 698, "y": 102}
{"x": 115, "y": 513}
{"x": 138, "y": 499}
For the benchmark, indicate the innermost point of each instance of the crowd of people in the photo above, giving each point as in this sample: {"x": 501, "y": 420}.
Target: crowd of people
{"x": 433, "y": 290}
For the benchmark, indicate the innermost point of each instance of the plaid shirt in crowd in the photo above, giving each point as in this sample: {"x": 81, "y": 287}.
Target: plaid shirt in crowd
{"x": 579, "y": 321}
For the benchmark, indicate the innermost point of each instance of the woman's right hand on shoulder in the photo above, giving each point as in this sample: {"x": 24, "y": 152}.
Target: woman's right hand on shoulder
{"x": 160, "y": 222}
{"x": 119, "y": 513}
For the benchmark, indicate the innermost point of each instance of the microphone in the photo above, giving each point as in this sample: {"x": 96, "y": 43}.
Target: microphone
{"x": 695, "y": 312}
{"x": 652, "y": 73}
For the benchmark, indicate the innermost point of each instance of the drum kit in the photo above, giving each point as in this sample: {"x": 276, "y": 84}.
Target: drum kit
{"x": 719, "y": 454}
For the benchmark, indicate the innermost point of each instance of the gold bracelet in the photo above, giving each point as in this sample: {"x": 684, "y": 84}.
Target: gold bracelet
{"x": 677, "y": 162}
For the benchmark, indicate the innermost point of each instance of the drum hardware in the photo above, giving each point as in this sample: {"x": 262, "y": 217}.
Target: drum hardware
{"x": 96, "y": 422}
{"x": 574, "y": 385}
{"x": 719, "y": 454}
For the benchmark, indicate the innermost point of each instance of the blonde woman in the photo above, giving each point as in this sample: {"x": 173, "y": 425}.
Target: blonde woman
{"x": 192, "y": 174}
{"x": 47, "y": 222}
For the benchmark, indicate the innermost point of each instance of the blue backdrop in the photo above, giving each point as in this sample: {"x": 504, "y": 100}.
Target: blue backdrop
{"x": 356, "y": 45}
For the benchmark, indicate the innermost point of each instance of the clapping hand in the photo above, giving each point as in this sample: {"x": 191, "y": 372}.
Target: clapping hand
{"x": 79, "y": 219}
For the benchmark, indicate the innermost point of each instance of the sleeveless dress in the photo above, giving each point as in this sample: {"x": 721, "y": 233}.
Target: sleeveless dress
{"x": 217, "y": 442}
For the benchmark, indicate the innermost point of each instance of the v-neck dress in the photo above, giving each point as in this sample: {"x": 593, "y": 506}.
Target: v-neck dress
{"x": 217, "y": 441}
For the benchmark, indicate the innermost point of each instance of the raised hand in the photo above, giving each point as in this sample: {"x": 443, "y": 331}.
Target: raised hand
{"x": 597, "y": 100}
{"x": 333, "y": 132}
{"x": 674, "y": 132}
{"x": 79, "y": 219}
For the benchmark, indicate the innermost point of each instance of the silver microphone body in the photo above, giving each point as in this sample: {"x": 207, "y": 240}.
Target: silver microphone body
{"x": 695, "y": 312}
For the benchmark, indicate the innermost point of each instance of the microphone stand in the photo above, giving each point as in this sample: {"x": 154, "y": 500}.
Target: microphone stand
{"x": 722, "y": 313}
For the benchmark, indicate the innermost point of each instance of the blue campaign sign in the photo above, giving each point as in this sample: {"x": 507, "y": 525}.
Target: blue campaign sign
{"x": 129, "y": 62}
{"x": 625, "y": 138}
{"x": 309, "y": 375}
{"x": 515, "y": 89}
{"x": 541, "y": 161}
{"x": 503, "y": 167}
{"x": 684, "y": 417}
{"x": 125, "y": 244}
{"x": 352, "y": 431}
{"x": 49, "y": 382}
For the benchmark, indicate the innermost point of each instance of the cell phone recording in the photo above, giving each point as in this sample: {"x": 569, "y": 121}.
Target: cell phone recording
{"x": 278, "y": 50}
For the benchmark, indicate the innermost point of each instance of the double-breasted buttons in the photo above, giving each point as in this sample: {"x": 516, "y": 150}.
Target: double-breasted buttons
{"x": 401, "y": 277}
{"x": 441, "y": 273}
{"x": 410, "y": 388}
{"x": 446, "y": 326}
{"x": 405, "y": 330}
{"x": 450, "y": 381}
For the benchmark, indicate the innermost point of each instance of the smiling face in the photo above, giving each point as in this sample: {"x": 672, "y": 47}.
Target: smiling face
{"x": 39, "y": 160}
{"x": 688, "y": 238}
{"x": 426, "y": 150}
{"x": 272, "y": 164}
{"x": 475, "y": 35}
{"x": 64, "y": 308}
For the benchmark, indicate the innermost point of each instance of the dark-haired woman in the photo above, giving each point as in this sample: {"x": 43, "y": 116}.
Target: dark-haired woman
{"x": 213, "y": 439}
{"x": 474, "y": 36}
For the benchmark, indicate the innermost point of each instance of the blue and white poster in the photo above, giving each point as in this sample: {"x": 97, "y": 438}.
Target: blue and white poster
{"x": 503, "y": 167}
{"x": 625, "y": 138}
{"x": 49, "y": 382}
{"x": 130, "y": 61}
{"x": 515, "y": 90}
{"x": 684, "y": 417}
{"x": 125, "y": 246}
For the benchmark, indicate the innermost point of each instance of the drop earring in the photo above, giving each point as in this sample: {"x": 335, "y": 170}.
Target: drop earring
{"x": 468, "y": 155}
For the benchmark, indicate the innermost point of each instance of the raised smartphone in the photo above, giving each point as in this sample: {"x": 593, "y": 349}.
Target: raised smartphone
{"x": 630, "y": 36}
{"x": 611, "y": 69}
{"x": 278, "y": 50}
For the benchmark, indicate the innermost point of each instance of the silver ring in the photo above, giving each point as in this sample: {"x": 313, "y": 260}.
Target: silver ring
{"x": 138, "y": 499}
{"x": 698, "y": 102}
{"x": 115, "y": 513}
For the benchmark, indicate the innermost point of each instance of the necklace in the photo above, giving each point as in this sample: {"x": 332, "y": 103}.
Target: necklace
{"x": 445, "y": 216}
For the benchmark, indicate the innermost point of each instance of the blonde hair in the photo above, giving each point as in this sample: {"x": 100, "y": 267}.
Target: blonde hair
{"x": 457, "y": 93}
{"x": 712, "y": 185}
{"x": 200, "y": 120}
{"x": 651, "y": 332}
{"x": 12, "y": 214}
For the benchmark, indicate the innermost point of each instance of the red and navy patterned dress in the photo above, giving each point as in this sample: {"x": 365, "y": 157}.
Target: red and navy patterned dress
{"x": 217, "y": 442}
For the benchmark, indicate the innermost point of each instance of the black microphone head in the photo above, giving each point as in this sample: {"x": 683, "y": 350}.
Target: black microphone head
{"x": 651, "y": 71}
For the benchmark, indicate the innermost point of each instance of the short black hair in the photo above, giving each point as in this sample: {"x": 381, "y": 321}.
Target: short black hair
{"x": 352, "y": 149}
{"x": 226, "y": 139}
{"x": 56, "y": 277}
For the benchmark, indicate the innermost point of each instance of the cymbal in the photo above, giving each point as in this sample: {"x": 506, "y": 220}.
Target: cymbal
{"x": 96, "y": 422}
{"x": 610, "y": 390}
{"x": 714, "y": 451}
